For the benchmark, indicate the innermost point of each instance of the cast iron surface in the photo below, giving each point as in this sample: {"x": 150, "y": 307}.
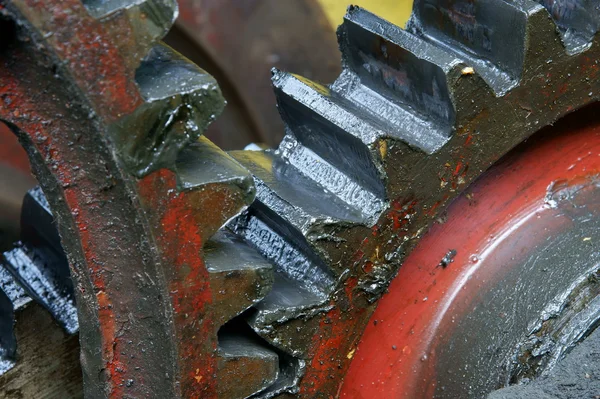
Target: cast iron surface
{"x": 168, "y": 246}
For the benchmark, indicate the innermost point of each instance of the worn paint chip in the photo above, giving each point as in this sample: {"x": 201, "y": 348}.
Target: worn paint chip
{"x": 350, "y": 354}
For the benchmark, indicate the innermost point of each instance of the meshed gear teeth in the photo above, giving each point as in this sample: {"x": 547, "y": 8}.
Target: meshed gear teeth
{"x": 180, "y": 101}
{"x": 290, "y": 371}
{"x": 322, "y": 223}
{"x": 577, "y": 20}
{"x": 332, "y": 128}
{"x": 239, "y": 276}
{"x": 491, "y": 35}
{"x": 12, "y": 298}
{"x": 287, "y": 316}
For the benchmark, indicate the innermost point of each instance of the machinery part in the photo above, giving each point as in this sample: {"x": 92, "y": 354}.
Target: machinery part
{"x": 520, "y": 280}
{"x": 238, "y": 42}
{"x": 36, "y": 293}
{"x": 366, "y": 165}
{"x": 147, "y": 327}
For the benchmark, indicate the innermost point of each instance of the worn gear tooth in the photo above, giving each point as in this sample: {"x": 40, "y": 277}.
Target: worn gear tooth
{"x": 238, "y": 354}
{"x": 239, "y": 276}
{"x": 491, "y": 35}
{"x": 36, "y": 272}
{"x": 289, "y": 307}
{"x": 578, "y": 21}
{"x": 288, "y": 206}
{"x": 39, "y": 264}
{"x": 203, "y": 163}
{"x": 149, "y": 20}
{"x": 12, "y": 298}
{"x": 386, "y": 64}
{"x": 332, "y": 128}
{"x": 181, "y": 100}
{"x": 364, "y": 202}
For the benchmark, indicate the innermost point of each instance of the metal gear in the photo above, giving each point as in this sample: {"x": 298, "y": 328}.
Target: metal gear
{"x": 167, "y": 270}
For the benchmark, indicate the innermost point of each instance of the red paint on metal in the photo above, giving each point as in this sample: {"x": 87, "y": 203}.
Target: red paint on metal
{"x": 93, "y": 59}
{"x": 178, "y": 234}
{"x": 409, "y": 315}
{"x": 46, "y": 138}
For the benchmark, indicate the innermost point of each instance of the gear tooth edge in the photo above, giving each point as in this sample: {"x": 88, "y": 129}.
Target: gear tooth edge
{"x": 35, "y": 272}
{"x": 577, "y": 20}
{"x": 329, "y": 126}
{"x": 157, "y": 15}
{"x": 239, "y": 276}
{"x": 403, "y": 67}
{"x": 235, "y": 349}
{"x": 180, "y": 101}
{"x": 492, "y": 35}
{"x": 11, "y": 294}
{"x": 202, "y": 163}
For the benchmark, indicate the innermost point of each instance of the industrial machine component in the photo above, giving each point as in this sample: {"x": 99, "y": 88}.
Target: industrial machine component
{"x": 200, "y": 273}
{"x": 238, "y": 42}
{"x": 520, "y": 289}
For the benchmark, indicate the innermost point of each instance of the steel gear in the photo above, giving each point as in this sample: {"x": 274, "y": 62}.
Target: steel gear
{"x": 193, "y": 266}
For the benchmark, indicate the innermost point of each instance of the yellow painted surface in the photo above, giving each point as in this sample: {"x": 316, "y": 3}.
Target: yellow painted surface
{"x": 396, "y": 11}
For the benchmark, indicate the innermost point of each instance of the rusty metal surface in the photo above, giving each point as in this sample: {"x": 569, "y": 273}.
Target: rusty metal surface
{"x": 366, "y": 165}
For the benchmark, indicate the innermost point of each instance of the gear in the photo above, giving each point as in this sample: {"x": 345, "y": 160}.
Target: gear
{"x": 168, "y": 271}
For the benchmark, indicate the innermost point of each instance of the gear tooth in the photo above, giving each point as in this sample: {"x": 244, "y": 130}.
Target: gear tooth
{"x": 39, "y": 264}
{"x": 290, "y": 371}
{"x": 239, "y": 276}
{"x": 332, "y": 129}
{"x": 289, "y": 208}
{"x": 181, "y": 100}
{"x": 12, "y": 297}
{"x": 239, "y": 352}
{"x": 37, "y": 223}
{"x": 203, "y": 163}
{"x": 35, "y": 269}
{"x": 491, "y": 35}
{"x": 150, "y": 20}
{"x": 578, "y": 21}
{"x": 399, "y": 65}
{"x": 288, "y": 306}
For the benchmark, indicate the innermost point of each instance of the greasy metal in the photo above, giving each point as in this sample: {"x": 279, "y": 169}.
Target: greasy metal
{"x": 38, "y": 263}
{"x": 366, "y": 165}
{"x": 573, "y": 376}
{"x": 371, "y": 160}
{"x": 96, "y": 125}
{"x": 521, "y": 282}
{"x": 38, "y": 359}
